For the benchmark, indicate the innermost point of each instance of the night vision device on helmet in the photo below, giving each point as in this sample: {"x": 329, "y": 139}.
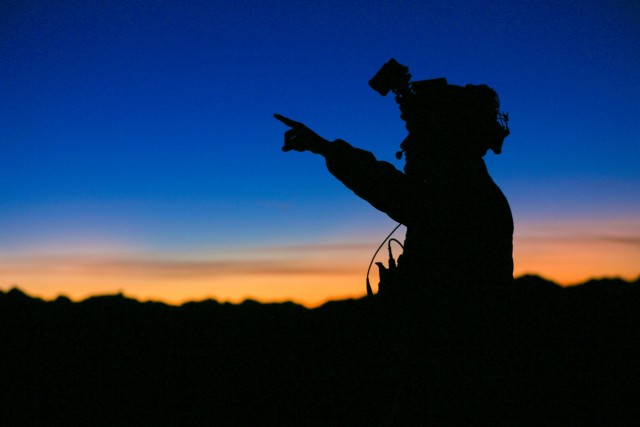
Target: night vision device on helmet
{"x": 478, "y": 106}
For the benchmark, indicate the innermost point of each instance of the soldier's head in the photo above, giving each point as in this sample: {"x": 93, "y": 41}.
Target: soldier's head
{"x": 451, "y": 121}
{"x": 445, "y": 122}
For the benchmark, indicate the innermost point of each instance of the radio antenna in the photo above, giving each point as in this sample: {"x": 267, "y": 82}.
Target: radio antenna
{"x": 369, "y": 290}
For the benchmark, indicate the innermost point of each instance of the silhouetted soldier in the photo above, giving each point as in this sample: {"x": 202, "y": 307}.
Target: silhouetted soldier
{"x": 459, "y": 224}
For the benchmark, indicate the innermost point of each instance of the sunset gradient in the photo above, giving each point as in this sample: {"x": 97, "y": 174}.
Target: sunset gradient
{"x": 306, "y": 274}
{"x": 139, "y": 153}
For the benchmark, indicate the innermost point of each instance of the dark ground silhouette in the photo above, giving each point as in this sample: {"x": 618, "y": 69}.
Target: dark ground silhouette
{"x": 535, "y": 355}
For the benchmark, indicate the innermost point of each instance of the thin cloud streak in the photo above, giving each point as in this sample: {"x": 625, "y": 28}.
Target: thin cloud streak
{"x": 182, "y": 269}
{"x": 634, "y": 241}
{"x": 313, "y": 247}
{"x": 169, "y": 269}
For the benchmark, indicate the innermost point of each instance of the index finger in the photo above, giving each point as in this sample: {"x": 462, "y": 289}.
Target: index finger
{"x": 287, "y": 121}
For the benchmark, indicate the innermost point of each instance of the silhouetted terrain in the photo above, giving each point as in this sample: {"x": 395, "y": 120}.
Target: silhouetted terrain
{"x": 537, "y": 355}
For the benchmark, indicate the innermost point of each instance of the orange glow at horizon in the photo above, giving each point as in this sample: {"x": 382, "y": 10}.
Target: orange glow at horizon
{"x": 308, "y": 291}
{"x": 571, "y": 263}
{"x": 570, "y": 252}
{"x": 175, "y": 282}
{"x": 309, "y": 275}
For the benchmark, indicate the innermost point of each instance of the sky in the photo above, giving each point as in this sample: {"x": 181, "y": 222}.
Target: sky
{"x": 139, "y": 153}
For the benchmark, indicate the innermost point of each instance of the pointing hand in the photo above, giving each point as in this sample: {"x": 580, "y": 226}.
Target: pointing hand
{"x": 300, "y": 137}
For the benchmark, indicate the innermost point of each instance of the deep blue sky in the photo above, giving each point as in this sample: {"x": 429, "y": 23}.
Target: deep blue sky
{"x": 146, "y": 126}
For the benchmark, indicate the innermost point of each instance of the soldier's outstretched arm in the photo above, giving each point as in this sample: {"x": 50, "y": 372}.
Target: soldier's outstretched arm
{"x": 377, "y": 182}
